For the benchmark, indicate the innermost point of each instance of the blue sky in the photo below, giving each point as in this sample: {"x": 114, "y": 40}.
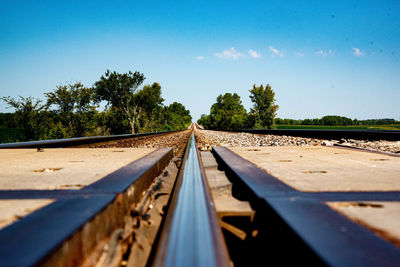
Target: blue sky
{"x": 320, "y": 57}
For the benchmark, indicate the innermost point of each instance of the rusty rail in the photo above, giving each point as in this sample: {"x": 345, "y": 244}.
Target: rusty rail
{"x": 65, "y": 232}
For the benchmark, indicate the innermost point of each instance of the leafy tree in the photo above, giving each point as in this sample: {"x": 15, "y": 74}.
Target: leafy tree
{"x": 114, "y": 121}
{"x": 307, "y": 122}
{"x": 227, "y": 113}
{"x": 147, "y": 105}
{"x": 252, "y": 121}
{"x": 263, "y": 105}
{"x": 26, "y": 115}
{"x": 118, "y": 90}
{"x": 335, "y": 120}
{"x": 74, "y": 109}
{"x": 204, "y": 121}
{"x": 175, "y": 117}
{"x": 7, "y": 119}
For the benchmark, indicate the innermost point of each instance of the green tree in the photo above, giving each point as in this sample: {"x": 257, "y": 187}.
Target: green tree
{"x": 73, "y": 108}
{"x": 7, "y": 119}
{"x": 175, "y": 117}
{"x": 335, "y": 120}
{"x": 114, "y": 121}
{"x": 263, "y": 106}
{"x": 204, "y": 121}
{"x": 228, "y": 113}
{"x": 26, "y": 115}
{"x": 118, "y": 90}
{"x": 147, "y": 104}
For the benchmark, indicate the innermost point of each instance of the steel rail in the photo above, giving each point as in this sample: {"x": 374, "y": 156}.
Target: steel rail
{"x": 332, "y": 238}
{"x": 329, "y": 134}
{"x": 76, "y": 141}
{"x": 66, "y": 231}
{"x": 191, "y": 235}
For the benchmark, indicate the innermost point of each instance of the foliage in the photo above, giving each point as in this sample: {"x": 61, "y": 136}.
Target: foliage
{"x": 175, "y": 117}
{"x": 148, "y": 104}
{"x": 70, "y": 111}
{"x": 339, "y": 127}
{"x": 333, "y": 120}
{"x": 204, "y": 121}
{"x": 227, "y": 113}
{"x": 73, "y": 110}
{"x": 264, "y": 107}
{"x": 26, "y": 115}
{"x": 7, "y": 119}
{"x": 118, "y": 90}
{"x": 8, "y": 135}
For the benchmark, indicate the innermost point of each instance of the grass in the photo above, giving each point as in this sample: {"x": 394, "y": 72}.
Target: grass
{"x": 10, "y": 135}
{"x": 351, "y": 127}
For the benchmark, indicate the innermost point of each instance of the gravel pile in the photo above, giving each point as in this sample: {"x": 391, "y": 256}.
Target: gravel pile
{"x": 207, "y": 139}
{"x": 384, "y": 146}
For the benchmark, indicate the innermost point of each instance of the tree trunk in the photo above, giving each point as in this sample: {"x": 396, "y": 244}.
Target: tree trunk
{"x": 132, "y": 124}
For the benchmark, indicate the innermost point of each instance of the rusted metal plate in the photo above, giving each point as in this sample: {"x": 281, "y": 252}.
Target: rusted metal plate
{"x": 66, "y": 231}
{"x": 331, "y": 236}
{"x": 191, "y": 235}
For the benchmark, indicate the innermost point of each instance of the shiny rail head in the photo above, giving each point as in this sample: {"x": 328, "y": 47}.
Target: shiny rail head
{"x": 191, "y": 235}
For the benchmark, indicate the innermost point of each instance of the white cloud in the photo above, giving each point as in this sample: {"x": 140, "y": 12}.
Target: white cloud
{"x": 298, "y": 54}
{"x": 323, "y": 53}
{"x": 254, "y": 54}
{"x": 275, "y": 52}
{"x": 357, "y": 52}
{"x": 200, "y": 57}
{"x": 229, "y": 54}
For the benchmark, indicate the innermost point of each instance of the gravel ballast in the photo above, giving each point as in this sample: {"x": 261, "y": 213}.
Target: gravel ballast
{"x": 176, "y": 140}
{"x": 207, "y": 139}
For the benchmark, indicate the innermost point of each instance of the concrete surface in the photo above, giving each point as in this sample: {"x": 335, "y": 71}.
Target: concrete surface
{"x": 221, "y": 192}
{"x": 319, "y": 168}
{"x": 383, "y": 218}
{"x": 67, "y": 168}
{"x": 14, "y": 209}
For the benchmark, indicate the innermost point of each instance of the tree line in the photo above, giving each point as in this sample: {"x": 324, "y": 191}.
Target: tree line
{"x": 72, "y": 110}
{"x": 332, "y": 120}
{"x": 228, "y": 113}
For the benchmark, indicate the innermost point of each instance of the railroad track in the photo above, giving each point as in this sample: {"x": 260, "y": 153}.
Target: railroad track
{"x": 217, "y": 208}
